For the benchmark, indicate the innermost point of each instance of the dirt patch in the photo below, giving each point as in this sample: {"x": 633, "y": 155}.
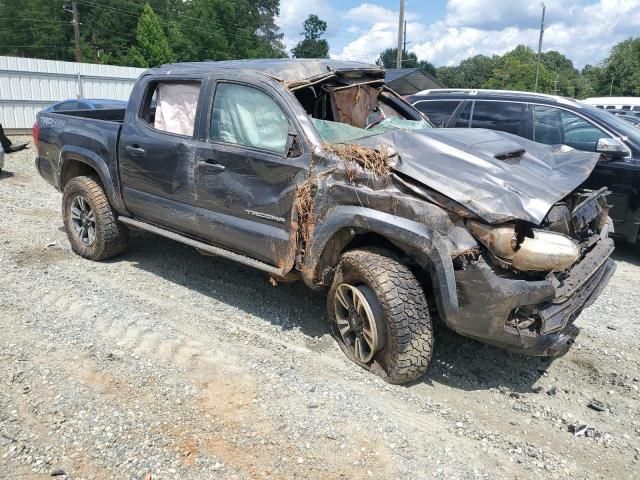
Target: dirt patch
{"x": 39, "y": 256}
{"x": 39, "y": 212}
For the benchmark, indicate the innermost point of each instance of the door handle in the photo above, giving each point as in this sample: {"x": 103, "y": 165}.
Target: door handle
{"x": 134, "y": 150}
{"x": 211, "y": 166}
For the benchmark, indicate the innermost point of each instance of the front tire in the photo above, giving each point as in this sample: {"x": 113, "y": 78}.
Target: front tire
{"x": 90, "y": 222}
{"x": 380, "y": 315}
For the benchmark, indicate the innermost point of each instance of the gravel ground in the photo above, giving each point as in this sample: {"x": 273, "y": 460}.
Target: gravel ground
{"x": 166, "y": 364}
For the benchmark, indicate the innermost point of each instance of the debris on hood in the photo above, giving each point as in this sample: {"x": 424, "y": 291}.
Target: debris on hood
{"x": 376, "y": 160}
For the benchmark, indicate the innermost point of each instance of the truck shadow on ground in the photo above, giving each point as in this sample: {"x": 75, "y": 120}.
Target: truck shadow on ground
{"x": 458, "y": 362}
{"x": 466, "y": 364}
{"x": 288, "y": 306}
{"x": 627, "y": 252}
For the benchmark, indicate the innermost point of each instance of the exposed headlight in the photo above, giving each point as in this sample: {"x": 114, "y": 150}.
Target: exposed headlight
{"x": 539, "y": 251}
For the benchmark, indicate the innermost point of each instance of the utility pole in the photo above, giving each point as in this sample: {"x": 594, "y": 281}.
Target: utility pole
{"x": 611, "y": 87}
{"x": 535, "y": 88}
{"x": 400, "y": 35}
{"x": 76, "y": 30}
{"x": 404, "y": 41}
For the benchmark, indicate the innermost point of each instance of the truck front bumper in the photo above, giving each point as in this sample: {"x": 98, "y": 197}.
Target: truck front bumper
{"x": 493, "y": 302}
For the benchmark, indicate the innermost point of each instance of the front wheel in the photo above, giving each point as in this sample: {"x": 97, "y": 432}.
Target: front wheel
{"x": 90, "y": 223}
{"x": 380, "y": 315}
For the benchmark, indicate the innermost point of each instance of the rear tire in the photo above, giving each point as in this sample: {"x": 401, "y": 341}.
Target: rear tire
{"x": 90, "y": 222}
{"x": 400, "y": 315}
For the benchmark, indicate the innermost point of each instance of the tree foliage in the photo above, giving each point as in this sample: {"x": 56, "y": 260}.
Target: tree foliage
{"x": 312, "y": 46}
{"x": 516, "y": 70}
{"x": 388, "y": 57}
{"x": 152, "y": 47}
{"x": 181, "y": 30}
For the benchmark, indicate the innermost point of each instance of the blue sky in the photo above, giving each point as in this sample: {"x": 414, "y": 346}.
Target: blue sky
{"x": 446, "y": 32}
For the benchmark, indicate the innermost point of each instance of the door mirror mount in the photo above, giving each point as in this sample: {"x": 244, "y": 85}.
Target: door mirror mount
{"x": 293, "y": 149}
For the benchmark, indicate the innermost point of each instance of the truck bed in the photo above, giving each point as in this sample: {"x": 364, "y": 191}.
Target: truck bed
{"x": 89, "y": 136}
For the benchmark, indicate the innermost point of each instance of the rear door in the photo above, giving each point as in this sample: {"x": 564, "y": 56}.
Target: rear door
{"x": 437, "y": 111}
{"x": 504, "y": 116}
{"x": 157, "y": 153}
{"x": 245, "y": 170}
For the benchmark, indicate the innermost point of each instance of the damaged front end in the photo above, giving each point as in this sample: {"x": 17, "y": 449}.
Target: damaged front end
{"x": 512, "y": 247}
{"x": 530, "y": 283}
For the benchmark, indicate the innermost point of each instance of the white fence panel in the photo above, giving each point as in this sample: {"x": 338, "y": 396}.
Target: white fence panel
{"x": 27, "y": 85}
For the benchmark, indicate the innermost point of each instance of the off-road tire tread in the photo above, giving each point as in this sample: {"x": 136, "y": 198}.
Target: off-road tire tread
{"x": 111, "y": 235}
{"x": 410, "y": 330}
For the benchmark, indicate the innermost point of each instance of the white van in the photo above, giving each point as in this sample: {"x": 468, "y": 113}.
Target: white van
{"x": 615, "y": 103}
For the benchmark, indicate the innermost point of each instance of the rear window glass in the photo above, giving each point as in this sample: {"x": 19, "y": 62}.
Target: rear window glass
{"x": 171, "y": 107}
{"x": 438, "y": 111}
{"x": 503, "y": 116}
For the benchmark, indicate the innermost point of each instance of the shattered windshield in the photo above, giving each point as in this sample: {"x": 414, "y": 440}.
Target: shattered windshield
{"x": 336, "y": 132}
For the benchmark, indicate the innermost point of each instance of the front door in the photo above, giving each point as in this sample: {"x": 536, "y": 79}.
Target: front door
{"x": 157, "y": 155}
{"x": 553, "y": 125}
{"x": 245, "y": 178}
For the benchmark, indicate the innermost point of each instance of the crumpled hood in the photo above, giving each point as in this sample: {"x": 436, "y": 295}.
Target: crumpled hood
{"x": 461, "y": 164}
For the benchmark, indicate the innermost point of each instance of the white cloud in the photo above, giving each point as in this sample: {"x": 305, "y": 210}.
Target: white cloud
{"x": 584, "y": 33}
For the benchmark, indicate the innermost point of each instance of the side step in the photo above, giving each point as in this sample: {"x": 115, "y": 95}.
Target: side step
{"x": 206, "y": 248}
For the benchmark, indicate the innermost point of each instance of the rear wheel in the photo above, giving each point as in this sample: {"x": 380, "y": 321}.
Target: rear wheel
{"x": 380, "y": 315}
{"x": 90, "y": 223}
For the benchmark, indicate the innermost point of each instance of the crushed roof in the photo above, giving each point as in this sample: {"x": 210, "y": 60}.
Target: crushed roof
{"x": 285, "y": 69}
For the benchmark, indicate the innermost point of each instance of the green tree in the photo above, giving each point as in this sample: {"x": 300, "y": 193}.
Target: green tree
{"x": 623, "y": 67}
{"x": 152, "y": 47}
{"x": 387, "y": 59}
{"x": 514, "y": 74}
{"x": 35, "y": 28}
{"x": 473, "y": 72}
{"x": 312, "y": 46}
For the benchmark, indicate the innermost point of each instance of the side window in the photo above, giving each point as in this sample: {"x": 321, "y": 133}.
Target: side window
{"x": 464, "y": 117}
{"x": 555, "y": 125}
{"x": 171, "y": 106}
{"x": 503, "y": 116}
{"x": 579, "y": 133}
{"x": 247, "y": 116}
{"x": 547, "y": 125}
{"x": 438, "y": 111}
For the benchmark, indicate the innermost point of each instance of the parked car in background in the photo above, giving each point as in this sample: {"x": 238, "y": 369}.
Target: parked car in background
{"x": 615, "y": 103}
{"x": 86, "y": 104}
{"x": 629, "y": 116}
{"x": 633, "y": 121}
{"x": 553, "y": 120}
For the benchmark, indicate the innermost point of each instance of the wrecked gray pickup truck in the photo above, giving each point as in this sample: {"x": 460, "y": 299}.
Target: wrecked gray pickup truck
{"x": 314, "y": 170}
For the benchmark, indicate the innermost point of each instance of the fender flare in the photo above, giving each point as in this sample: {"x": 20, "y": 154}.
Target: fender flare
{"x": 426, "y": 246}
{"x": 72, "y": 153}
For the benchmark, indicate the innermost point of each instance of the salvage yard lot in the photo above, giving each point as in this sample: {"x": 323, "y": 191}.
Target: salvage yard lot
{"x": 166, "y": 362}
